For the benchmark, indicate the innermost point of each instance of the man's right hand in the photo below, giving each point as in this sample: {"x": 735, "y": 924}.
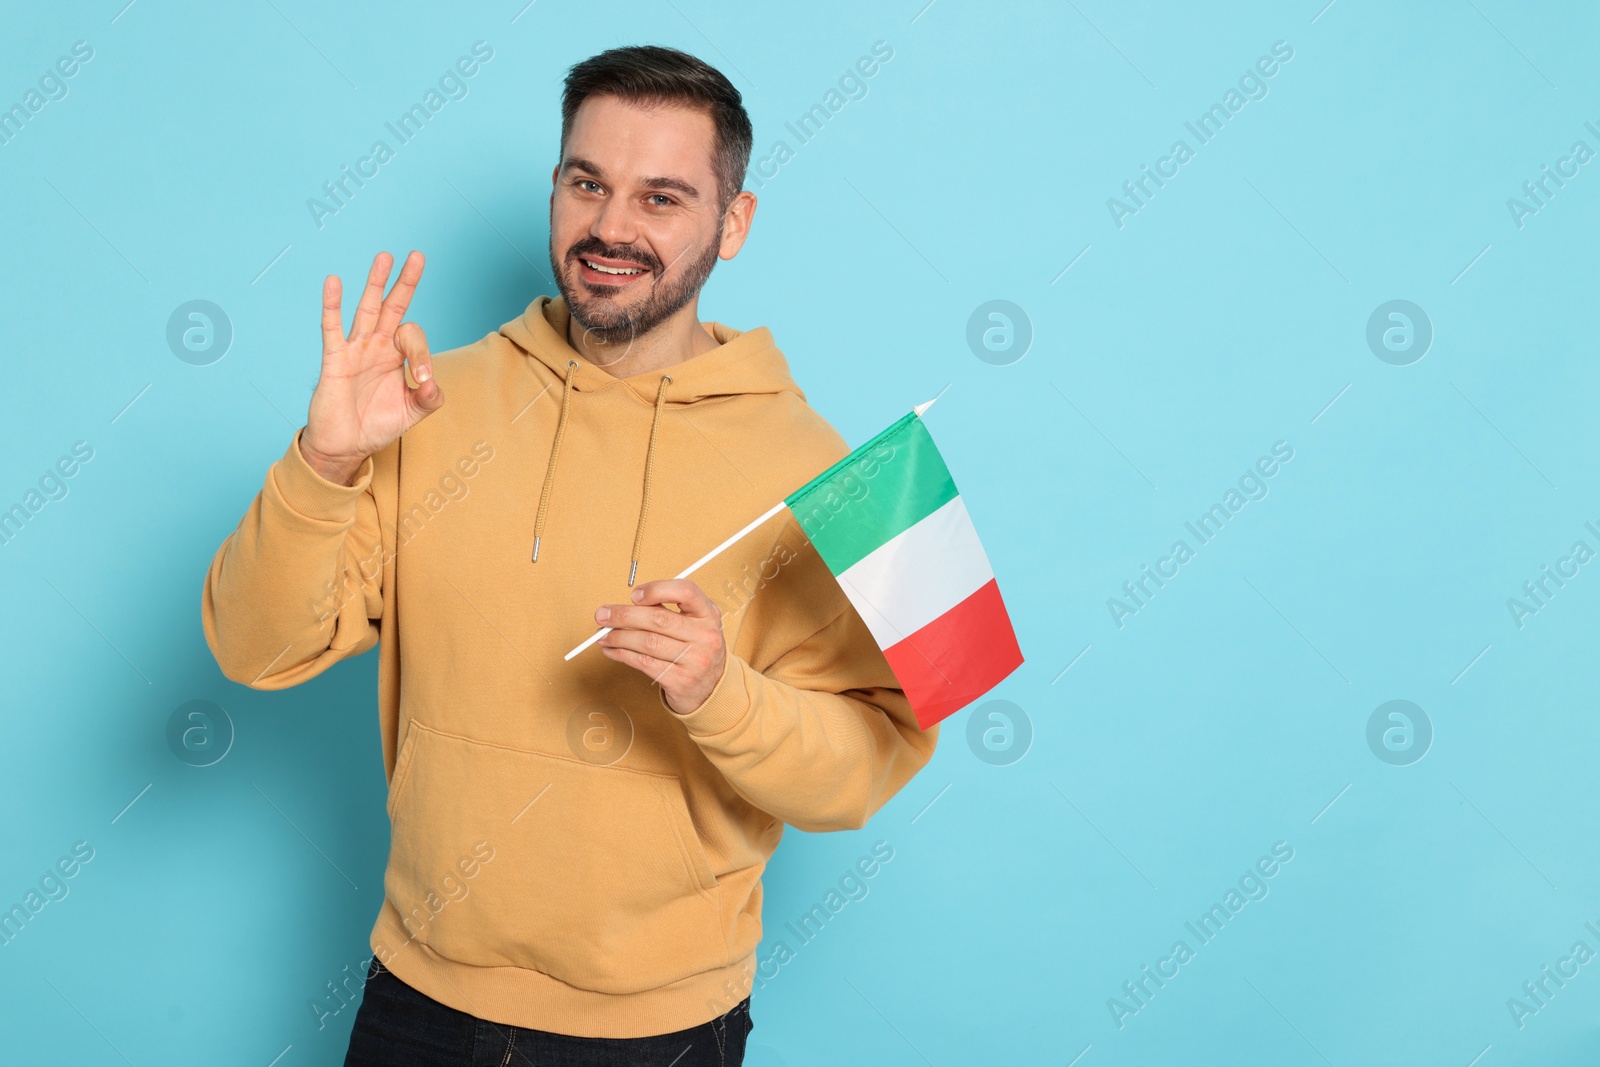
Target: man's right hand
{"x": 362, "y": 403}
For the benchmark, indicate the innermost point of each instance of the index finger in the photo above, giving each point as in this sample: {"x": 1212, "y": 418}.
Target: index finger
{"x": 399, "y": 298}
{"x": 689, "y": 597}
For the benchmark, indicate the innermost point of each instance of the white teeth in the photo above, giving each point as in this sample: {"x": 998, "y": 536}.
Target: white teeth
{"x": 613, "y": 270}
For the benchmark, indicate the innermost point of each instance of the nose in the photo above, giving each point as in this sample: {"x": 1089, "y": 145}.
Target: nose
{"x": 615, "y": 223}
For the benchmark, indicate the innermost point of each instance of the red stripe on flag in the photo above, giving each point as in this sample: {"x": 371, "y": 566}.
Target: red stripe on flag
{"x": 958, "y": 657}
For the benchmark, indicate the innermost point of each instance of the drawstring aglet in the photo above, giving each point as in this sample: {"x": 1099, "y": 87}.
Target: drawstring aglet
{"x": 536, "y": 549}
{"x": 633, "y": 570}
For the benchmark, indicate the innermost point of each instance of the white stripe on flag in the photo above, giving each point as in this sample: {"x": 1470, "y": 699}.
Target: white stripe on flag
{"x": 918, "y": 575}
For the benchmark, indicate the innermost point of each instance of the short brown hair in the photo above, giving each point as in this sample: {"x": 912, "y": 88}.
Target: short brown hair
{"x": 650, "y": 74}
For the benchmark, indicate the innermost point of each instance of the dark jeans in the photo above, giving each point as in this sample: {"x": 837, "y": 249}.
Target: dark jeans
{"x": 396, "y": 1026}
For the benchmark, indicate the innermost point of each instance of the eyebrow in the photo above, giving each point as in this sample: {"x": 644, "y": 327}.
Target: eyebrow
{"x": 677, "y": 185}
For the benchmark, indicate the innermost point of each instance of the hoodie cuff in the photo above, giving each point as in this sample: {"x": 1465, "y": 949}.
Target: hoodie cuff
{"x": 312, "y": 495}
{"x": 727, "y": 705}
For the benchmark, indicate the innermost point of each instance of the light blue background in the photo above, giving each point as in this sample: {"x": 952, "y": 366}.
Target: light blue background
{"x": 1228, "y": 314}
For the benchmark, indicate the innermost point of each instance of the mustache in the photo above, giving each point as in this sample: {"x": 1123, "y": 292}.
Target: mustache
{"x": 594, "y": 247}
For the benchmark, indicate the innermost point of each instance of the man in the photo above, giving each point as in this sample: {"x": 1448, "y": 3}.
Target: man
{"x": 577, "y": 846}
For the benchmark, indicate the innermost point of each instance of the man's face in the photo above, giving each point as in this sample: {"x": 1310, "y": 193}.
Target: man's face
{"x": 634, "y": 225}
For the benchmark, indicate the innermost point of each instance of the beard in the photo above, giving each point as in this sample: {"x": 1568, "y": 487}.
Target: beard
{"x": 608, "y": 322}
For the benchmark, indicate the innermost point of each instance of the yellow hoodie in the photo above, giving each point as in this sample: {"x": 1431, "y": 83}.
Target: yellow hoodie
{"x": 566, "y": 852}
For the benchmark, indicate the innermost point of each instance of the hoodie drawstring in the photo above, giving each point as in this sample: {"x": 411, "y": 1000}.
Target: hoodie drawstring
{"x": 649, "y": 468}
{"x": 649, "y": 465}
{"x": 550, "y": 467}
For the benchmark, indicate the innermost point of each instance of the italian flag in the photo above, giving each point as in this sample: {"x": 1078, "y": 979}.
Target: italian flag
{"x": 891, "y": 526}
{"x": 888, "y": 522}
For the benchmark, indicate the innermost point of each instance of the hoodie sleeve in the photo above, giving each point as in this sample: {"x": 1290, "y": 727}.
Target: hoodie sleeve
{"x": 822, "y": 738}
{"x": 289, "y": 594}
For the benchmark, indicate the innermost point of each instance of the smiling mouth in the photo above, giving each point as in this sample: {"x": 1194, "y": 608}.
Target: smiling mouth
{"x": 612, "y": 272}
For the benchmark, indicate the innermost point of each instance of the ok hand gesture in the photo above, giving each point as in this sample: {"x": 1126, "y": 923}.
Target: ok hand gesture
{"x": 362, "y": 402}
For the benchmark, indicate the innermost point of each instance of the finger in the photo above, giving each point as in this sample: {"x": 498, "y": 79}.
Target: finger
{"x": 651, "y": 618}
{"x": 332, "y": 322}
{"x": 367, "y": 310}
{"x": 647, "y": 643}
{"x": 689, "y": 597}
{"x": 412, "y": 343}
{"x": 399, "y": 298}
{"x": 653, "y": 666}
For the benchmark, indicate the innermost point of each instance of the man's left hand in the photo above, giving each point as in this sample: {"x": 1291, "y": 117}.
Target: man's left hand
{"x": 681, "y": 650}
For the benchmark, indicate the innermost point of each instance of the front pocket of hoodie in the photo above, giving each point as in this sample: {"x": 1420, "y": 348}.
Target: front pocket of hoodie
{"x": 402, "y": 764}
{"x": 594, "y": 875}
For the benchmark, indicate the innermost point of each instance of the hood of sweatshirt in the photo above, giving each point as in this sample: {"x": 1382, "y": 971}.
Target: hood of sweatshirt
{"x": 745, "y": 362}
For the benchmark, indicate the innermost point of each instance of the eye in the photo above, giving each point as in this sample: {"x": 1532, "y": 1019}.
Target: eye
{"x": 585, "y": 183}
{"x": 660, "y": 200}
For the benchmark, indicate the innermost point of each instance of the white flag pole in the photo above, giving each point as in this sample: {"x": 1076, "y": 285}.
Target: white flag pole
{"x": 696, "y": 565}
{"x": 926, "y": 404}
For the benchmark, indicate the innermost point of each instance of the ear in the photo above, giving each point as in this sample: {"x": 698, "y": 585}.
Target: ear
{"x": 736, "y": 224}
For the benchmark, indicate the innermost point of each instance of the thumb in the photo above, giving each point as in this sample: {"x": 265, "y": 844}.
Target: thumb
{"x": 412, "y": 343}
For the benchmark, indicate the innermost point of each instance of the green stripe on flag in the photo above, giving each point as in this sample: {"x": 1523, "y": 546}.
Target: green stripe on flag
{"x": 881, "y": 489}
